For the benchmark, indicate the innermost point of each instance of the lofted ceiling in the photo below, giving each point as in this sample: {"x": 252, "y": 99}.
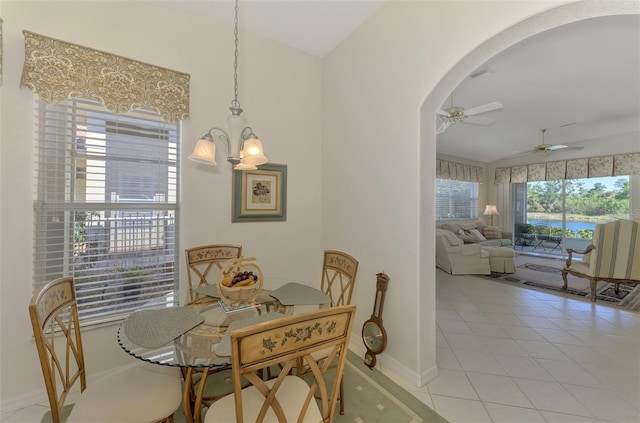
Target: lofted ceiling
{"x": 587, "y": 73}
{"x": 313, "y": 26}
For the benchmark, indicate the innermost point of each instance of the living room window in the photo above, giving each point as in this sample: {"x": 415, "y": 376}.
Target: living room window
{"x": 569, "y": 209}
{"x": 456, "y": 200}
{"x": 106, "y": 208}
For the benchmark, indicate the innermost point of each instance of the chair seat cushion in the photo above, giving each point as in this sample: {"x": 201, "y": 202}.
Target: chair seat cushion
{"x": 291, "y": 396}
{"x": 135, "y": 394}
{"x": 579, "y": 268}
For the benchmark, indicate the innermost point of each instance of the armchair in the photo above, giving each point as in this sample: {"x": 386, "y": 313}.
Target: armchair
{"x": 457, "y": 258}
{"x": 614, "y": 256}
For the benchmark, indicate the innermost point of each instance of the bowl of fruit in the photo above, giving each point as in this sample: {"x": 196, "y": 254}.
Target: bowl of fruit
{"x": 239, "y": 281}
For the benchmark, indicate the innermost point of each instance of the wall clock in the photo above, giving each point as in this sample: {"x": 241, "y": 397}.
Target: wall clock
{"x": 373, "y": 334}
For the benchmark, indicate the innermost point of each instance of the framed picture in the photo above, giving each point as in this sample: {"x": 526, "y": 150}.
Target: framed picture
{"x": 260, "y": 195}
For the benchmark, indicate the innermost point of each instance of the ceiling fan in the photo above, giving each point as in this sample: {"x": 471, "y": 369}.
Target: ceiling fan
{"x": 455, "y": 114}
{"x": 545, "y": 148}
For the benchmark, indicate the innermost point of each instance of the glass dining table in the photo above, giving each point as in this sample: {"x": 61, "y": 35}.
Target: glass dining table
{"x": 192, "y": 338}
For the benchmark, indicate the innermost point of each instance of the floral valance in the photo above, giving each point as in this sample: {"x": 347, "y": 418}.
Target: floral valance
{"x": 458, "y": 171}
{"x": 592, "y": 167}
{"x": 57, "y": 70}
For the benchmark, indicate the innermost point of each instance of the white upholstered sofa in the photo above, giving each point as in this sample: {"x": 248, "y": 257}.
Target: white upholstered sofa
{"x": 457, "y": 258}
{"x": 475, "y": 231}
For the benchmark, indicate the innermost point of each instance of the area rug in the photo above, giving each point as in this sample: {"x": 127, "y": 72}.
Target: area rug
{"x": 370, "y": 396}
{"x": 548, "y": 277}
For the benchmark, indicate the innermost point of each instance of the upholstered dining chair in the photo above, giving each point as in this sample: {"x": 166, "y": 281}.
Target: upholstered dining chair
{"x": 140, "y": 393}
{"x": 613, "y": 256}
{"x": 286, "y": 341}
{"x": 204, "y": 262}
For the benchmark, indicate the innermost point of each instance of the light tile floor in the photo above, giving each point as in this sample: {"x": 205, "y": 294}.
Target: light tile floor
{"x": 513, "y": 355}
{"x": 510, "y": 354}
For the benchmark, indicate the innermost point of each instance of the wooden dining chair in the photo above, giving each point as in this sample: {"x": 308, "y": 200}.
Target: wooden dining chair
{"x": 140, "y": 393}
{"x": 339, "y": 271}
{"x": 286, "y": 398}
{"x": 204, "y": 263}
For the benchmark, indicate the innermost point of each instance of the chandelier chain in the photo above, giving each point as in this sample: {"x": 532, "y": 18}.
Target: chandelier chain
{"x": 235, "y": 102}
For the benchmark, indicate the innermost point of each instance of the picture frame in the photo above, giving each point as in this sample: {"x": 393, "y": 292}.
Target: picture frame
{"x": 260, "y": 195}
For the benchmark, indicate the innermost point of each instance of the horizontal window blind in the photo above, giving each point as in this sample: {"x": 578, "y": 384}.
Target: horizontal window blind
{"x": 456, "y": 199}
{"x": 106, "y": 206}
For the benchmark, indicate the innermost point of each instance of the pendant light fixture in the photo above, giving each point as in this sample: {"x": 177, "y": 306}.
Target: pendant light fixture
{"x": 244, "y": 149}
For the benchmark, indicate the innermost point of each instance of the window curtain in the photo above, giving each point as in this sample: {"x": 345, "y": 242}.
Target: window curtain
{"x": 57, "y": 71}
{"x": 592, "y": 167}
{"x": 458, "y": 171}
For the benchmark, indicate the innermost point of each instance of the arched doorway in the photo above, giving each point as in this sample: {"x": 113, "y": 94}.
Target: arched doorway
{"x": 548, "y": 20}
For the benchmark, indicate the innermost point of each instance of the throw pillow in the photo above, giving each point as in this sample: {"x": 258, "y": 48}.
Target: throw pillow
{"x": 452, "y": 238}
{"x": 478, "y": 235}
{"x": 492, "y": 232}
{"x": 467, "y": 226}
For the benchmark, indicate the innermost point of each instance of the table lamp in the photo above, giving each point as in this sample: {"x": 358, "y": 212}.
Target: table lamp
{"x": 491, "y": 210}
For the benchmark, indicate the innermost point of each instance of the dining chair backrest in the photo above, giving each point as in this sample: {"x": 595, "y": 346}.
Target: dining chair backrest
{"x": 287, "y": 398}
{"x": 54, "y": 315}
{"x": 339, "y": 271}
{"x": 204, "y": 263}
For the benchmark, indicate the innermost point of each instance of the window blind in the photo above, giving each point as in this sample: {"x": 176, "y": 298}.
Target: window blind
{"x": 106, "y": 206}
{"x": 456, "y": 199}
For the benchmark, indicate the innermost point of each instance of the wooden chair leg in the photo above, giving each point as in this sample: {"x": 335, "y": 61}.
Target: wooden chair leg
{"x": 592, "y": 282}
{"x": 341, "y": 399}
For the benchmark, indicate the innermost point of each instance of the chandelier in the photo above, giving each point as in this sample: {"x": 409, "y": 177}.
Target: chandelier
{"x": 244, "y": 149}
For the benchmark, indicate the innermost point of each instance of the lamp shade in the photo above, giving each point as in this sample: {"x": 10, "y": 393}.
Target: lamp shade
{"x": 252, "y": 153}
{"x": 490, "y": 210}
{"x": 204, "y": 152}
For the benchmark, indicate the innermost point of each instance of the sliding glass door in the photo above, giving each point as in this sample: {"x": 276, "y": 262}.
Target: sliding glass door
{"x": 551, "y": 216}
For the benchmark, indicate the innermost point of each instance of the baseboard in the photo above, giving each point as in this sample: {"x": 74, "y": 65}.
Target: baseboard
{"x": 387, "y": 365}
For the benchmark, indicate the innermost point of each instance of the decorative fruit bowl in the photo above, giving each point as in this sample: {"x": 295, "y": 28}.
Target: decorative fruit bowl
{"x": 239, "y": 281}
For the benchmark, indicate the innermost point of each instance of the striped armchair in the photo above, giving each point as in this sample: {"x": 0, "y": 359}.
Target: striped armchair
{"x": 613, "y": 256}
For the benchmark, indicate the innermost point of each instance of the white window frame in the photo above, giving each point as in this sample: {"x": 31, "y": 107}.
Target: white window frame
{"x": 122, "y": 252}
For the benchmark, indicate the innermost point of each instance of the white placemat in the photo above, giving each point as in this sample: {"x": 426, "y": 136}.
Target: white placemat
{"x": 295, "y": 293}
{"x": 153, "y": 328}
{"x": 224, "y": 347}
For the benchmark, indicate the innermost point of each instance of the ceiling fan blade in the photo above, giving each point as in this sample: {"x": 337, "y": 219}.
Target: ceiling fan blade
{"x": 477, "y": 120}
{"x": 557, "y": 147}
{"x": 484, "y": 108}
{"x": 574, "y": 148}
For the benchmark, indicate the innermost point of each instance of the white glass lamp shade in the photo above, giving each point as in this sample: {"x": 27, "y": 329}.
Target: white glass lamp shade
{"x": 244, "y": 166}
{"x": 491, "y": 210}
{"x": 204, "y": 152}
{"x": 252, "y": 153}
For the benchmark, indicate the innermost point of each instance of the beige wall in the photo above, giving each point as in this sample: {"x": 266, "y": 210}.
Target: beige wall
{"x": 280, "y": 91}
{"x": 354, "y": 128}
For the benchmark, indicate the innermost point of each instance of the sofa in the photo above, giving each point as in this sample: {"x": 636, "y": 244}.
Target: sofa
{"x": 457, "y": 258}
{"x": 477, "y": 232}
